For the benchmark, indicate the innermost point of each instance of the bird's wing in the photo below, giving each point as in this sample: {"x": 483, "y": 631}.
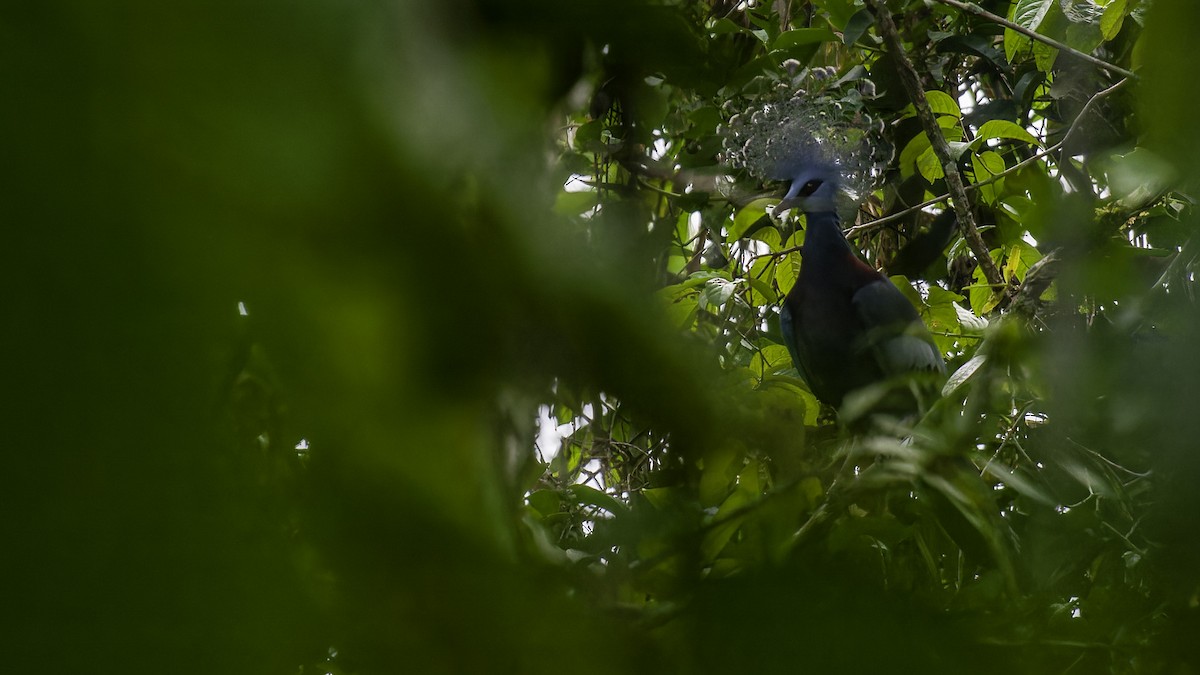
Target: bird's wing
{"x": 894, "y": 331}
{"x": 787, "y": 325}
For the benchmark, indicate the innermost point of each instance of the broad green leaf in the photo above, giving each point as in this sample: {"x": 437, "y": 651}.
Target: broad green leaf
{"x": 761, "y": 291}
{"x": 575, "y": 203}
{"x": 717, "y": 292}
{"x": 769, "y": 236}
{"x": 911, "y": 152}
{"x": 941, "y": 313}
{"x": 545, "y": 502}
{"x": 590, "y": 496}
{"x": 749, "y": 480}
{"x": 718, "y": 537}
{"x": 988, "y": 164}
{"x": 748, "y": 216}
{"x": 682, "y": 313}
{"x": 942, "y": 104}
{"x": 769, "y": 359}
{"x": 959, "y": 377}
{"x": 786, "y": 272}
{"x": 1084, "y": 36}
{"x": 840, "y": 12}
{"x": 1027, "y": 14}
{"x": 1003, "y": 129}
{"x": 918, "y": 154}
{"x": 1054, "y": 25}
{"x": 929, "y": 167}
{"x": 1044, "y": 56}
{"x": 1113, "y": 19}
{"x": 856, "y": 26}
{"x": 1020, "y": 257}
{"x": 787, "y": 268}
{"x": 968, "y": 322}
{"x": 905, "y": 286}
{"x": 724, "y": 27}
{"x": 1138, "y": 177}
{"x": 721, "y": 464}
{"x": 759, "y": 278}
{"x": 983, "y": 297}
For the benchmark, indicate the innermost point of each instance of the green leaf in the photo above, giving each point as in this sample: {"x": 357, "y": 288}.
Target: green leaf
{"x": 787, "y": 268}
{"x": 983, "y": 297}
{"x": 718, "y": 537}
{"x": 1003, "y": 129}
{"x": 718, "y": 472}
{"x": 748, "y": 216}
{"x": 682, "y": 313}
{"x": 840, "y": 12}
{"x": 1027, "y": 14}
{"x": 1113, "y": 19}
{"x": 749, "y": 479}
{"x": 918, "y": 154}
{"x": 986, "y": 165}
{"x": 717, "y": 292}
{"x": 725, "y": 27}
{"x": 1020, "y": 257}
{"x": 929, "y": 166}
{"x": 968, "y": 322}
{"x": 911, "y": 153}
{"x": 590, "y": 496}
{"x": 545, "y": 502}
{"x": 770, "y": 359}
{"x": 959, "y": 377}
{"x": 575, "y": 203}
{"x": 769, "y": 236}
{"x": 856, "y": 26}
{"x": 1084, "y": 37}
{"x": 1138, "y": 177}
{"x": 1044, "y": 56}
{"x": 762, "y": 293}
{"x": 941, "y": 103}
{"x": 941, "y": 313}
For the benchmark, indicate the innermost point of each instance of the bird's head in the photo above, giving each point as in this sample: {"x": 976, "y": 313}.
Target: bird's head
{"x": 819, "y": 139}
{"x": 814, "y": 189}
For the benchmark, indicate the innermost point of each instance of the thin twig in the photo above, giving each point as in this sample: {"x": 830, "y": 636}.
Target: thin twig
{"x": 1034, "y": 35}
{"x": 1103, "y": 93}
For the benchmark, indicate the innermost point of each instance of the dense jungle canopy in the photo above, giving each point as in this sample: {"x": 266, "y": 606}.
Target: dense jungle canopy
{"x": 443, "y": 337}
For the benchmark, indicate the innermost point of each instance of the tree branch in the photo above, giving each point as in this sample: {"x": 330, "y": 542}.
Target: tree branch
{"x": 1039, "y": 277}
{"x": 878, "y": 222}
{"x": 1034, "y": 35}
{"x": 867, "y": 227}
{"x": 962, "y": 208}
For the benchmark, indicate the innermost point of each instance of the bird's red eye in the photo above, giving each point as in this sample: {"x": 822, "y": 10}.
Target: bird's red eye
{"x": 810, "y": 187}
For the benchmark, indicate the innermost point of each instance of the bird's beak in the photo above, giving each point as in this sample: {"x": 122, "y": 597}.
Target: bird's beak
{"x": 791, "y": 199}
{"x": 785, "y": 204}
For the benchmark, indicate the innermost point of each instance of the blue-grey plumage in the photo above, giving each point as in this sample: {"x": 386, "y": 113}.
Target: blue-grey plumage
{"x": 845, "y": 324}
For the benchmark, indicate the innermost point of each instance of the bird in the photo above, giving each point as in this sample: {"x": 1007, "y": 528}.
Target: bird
{"x": 846, "y": 325}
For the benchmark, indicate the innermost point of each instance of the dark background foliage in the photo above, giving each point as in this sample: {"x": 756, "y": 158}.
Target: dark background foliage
{"x": 288, "y": 287}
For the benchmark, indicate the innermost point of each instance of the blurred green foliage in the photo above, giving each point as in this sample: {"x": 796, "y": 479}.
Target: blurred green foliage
{"x": 289, "y": 285}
